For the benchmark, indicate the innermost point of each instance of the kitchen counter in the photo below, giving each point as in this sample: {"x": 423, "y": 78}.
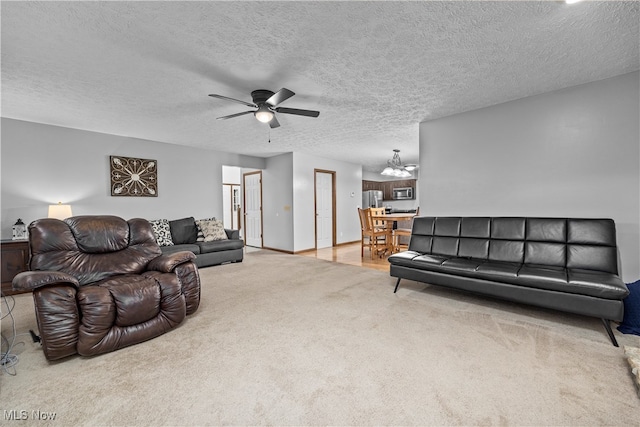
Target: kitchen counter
{"x": 400, "y": 211}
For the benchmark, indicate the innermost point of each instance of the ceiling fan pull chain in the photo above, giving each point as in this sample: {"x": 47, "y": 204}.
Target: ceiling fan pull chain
{"x": 269, "y": 135}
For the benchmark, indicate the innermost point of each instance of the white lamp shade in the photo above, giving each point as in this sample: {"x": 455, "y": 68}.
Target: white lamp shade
{"x": 59, "y": 211}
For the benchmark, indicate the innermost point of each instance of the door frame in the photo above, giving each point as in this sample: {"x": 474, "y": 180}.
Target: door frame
{"x": 244, "y": 206}
{"x": 333, "y": 206}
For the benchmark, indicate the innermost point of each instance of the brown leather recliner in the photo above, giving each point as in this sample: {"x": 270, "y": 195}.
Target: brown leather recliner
{"x": 101, "y": 283}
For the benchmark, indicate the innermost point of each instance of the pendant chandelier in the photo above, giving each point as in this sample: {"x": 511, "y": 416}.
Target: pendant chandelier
{"x": 395, "y": 168}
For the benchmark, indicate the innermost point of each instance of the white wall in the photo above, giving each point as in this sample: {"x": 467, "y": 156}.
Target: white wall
{"x": 277, "y": 203}
{"x": 348, "y": 199}
{"x": 231, "y": 175}
{"x": 44, "y": 164}
{"x": 289, "y": 205}
{"x": 569, "y": 153}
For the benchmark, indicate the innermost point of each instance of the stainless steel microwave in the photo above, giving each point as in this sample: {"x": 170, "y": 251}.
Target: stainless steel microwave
{"x": 403, "y": 193}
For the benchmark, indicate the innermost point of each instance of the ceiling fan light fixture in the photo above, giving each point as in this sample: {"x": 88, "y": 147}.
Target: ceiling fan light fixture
{"x": 263, "y": 114}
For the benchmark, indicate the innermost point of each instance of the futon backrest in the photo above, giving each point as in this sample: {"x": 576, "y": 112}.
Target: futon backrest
{"x": 560, "y": 242}
{"x": 92, "y": 248}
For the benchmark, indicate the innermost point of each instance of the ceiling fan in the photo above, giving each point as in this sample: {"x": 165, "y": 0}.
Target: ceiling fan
{"x": 267, "y": 103}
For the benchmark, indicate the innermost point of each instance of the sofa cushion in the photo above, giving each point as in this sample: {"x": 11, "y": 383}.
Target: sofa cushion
{"x": 552, "y": 254}
{"x": 191, "y": 247}
{"x": 420, "y": 243}
{"x": 403, "y": 258}
{"x": 499, "y": 271}
{"x": 597, "y": 284}
{"x": 461, "y": 266}
{"x": 476, "y": 227}
{"x": 183, "y": 231}
{"x": 220, "y": 245}
{"x": 447, "y": 226}
{"x": 506, "y": 251}
{"x": 473, "y": 248}
{"x": 162, "y": 232}
{"x": 547, "y": 230}
{"x": 429, "y": 262}
{"x": 590, "y": 257}
{"x": 200, "y": 237}
{"x": 543, "y": 276}
{"x": 447, "y": 246}
{"x": 213, "y": 230}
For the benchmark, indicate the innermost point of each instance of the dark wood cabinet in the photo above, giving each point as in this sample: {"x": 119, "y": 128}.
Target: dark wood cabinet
{"x": 387, "y": 186}
{"x": 387, "y": 190}
{"x": 371, "y": 185}
{"x": 14, "y": 259}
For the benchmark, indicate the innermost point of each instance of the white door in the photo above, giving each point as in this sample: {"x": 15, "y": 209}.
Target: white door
{"x": 324, "y": 210}
{"x": 253, "y": 209}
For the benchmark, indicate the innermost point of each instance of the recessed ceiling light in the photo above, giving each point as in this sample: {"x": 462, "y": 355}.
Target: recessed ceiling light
{"x": 572, "y": 1}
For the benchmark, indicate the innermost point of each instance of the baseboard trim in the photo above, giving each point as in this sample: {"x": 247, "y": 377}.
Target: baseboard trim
{"x": 348, "y": 243}
{"x": 279, "y": 250}
{"x": 334, "y": 246}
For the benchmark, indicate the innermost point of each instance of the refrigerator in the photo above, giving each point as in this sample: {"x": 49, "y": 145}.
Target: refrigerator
{"x": 371, "y": 199}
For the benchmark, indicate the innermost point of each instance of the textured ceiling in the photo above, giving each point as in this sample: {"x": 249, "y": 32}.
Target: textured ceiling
{"x": 373, "y": 69}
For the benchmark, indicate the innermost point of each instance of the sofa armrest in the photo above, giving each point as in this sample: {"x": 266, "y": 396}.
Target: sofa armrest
{"x": 30, "y": 280}
{"x": 232, "y": 234}
{"x": 167, "y": 262}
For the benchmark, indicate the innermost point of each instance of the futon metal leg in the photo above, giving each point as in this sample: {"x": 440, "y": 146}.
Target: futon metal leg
{"x": 397, "y": 284}
{"x": 607, "y": 326}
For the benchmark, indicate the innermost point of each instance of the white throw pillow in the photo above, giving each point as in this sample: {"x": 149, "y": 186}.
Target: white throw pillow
{"x": 162, "y": 231}
{"x": 212, "y": 229}
{"x": 200, "y": 237}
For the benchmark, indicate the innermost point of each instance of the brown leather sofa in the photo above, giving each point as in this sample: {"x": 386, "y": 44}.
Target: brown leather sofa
{"x": 101, "y": 283}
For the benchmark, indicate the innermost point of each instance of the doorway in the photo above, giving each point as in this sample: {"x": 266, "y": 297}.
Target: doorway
{"x": 253, "y": 208}
{"x": 232, "y": 211}
{"x": 325, "y": 208}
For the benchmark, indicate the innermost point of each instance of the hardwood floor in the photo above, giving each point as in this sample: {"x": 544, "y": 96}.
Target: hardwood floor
{"x": 349, "y": 254}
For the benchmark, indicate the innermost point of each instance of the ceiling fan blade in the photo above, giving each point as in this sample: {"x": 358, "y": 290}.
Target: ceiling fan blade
{"x": 274, "y": 123}
{"x": 234, "y": 115}
{"x": 279, "y": 97}
{"x": 296, "y": 111}
{"x": 226, "y": 98}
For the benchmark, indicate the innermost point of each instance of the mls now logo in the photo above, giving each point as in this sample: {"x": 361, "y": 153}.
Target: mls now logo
{"x": 16, "y": 415}
{"x": 20, "y": 415}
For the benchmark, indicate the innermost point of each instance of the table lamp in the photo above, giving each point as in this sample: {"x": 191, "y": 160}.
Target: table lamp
{"x": 60, "y": 211}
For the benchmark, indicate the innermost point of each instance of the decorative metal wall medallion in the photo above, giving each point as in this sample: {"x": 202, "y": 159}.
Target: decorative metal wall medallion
{"x": 133, "y": 177}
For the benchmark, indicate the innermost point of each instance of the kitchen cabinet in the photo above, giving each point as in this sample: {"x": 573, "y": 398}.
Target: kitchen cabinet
{"x": 371, "y": 185}
{"x": 387, "y": 190}
{"x": 387, "y": 186}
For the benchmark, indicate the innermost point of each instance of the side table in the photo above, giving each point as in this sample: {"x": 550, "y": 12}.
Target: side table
{"x": 14, "y": 257}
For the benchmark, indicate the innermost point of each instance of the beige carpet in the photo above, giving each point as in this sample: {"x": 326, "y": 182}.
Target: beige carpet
{"x": 288, "y": 340}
